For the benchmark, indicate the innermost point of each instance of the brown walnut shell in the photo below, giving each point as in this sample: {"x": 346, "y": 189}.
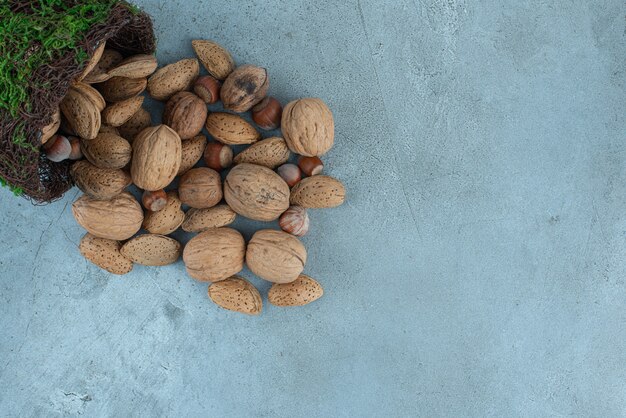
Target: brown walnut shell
{"x": 308, "y": 127}
{"x": 276, "y": 256}
{"x": 215, "y": 254}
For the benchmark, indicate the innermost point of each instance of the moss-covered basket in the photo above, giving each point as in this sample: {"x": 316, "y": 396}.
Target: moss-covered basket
{"x": 44, "y": 45}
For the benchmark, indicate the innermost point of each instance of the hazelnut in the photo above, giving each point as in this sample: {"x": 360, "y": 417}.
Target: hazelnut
{"x": 218, "y": 156}
{"x": 154, "y": 201}
{"x": 208, "y": 89}
{"x": 290, "y": 173}
{"x": 267, "y": 113}
{"x": 310, "y": 166}
{"x": 58, "y": 148}
{"x": 244, "y": 87}
{"x": 295, "y": 221}
{"x": 76, "y": 153}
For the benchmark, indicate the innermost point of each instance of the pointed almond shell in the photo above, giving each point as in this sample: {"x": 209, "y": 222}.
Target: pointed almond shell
{"x": 192, "y": 150}
{"x": 173, "y": 78}
{"x": 51, "y": 128}
{"x": 99, "y": 183}
{"x": 168, "y": 219}
{"x": 105, "y": 253}
{"x": 93, "y": 61}
{"x": 270, "y": 152}
{"x": 107, "y": 151}
{"x": 118, "y": 89}
{"x": 137, "y": 123}
{"x": 152, "y": 250}
{"x": 81, "y": 113}
{"x": 231, "y": 129}
{"x": 236, "y": 294}
{"x": 300, "y": 292}
{"x": 92, "y": 94}
{"x": 318, "y": 192}
{"x": 119, "y": 113}
{"x": 198, "y": 220}
{"x": 118, "y": 219}
{"x": 99, "y": 74}
{"x": 137, "y": 66}
{"x": 215, "y": 58}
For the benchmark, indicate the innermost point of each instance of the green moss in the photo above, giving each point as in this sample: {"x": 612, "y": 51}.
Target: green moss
{"x": 29, "y": 40}
{"x": 17, "y": 191}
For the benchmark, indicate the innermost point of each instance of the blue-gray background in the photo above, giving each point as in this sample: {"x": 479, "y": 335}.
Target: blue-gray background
{"x": 477, "y": 268}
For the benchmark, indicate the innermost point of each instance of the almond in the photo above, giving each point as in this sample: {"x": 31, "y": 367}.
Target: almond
{"x": 137, "y": 66}
{"x": 276, "y": 256}
{"x": 318, "y": 192}
{"x": 99, "y": 74}
{"x": 200, "y": 188}
{"x": 93, "y": 61}
{"x": 137, "y": 123}
{"x": 270, "y": 152}
{"x": 185, "y": 113}
{"x": 81, "y": 112}
{"x": 300, "y": 292}
{"x": 119, "y": 113}
{"x": 156, "y": 157}
{"x": 173, "y": 78}
{"x": 99, "y": 183}
{"x": 215, "y": 58}
{"x": 118, "y": 219}
{"x": 106, "y": 129}
{"x": 117, "y": 89}
{"x": 168, "y": 219}
{"x": 192, "y": 150}
{"x": 105, "y": 253}
{"x": 92, "y": 94}
{"x": 256, "y": 192}
{"x": 236, "y": 294}
{"x": 107, "y": 151}
{"x": 231, "y": 129}
{"x": 51, "y": 128}
{"x": 152, "y": 250}
{"x": 198, "y": 220}
{"x": 215, "y": 254}
{"x": 244, "y": 87}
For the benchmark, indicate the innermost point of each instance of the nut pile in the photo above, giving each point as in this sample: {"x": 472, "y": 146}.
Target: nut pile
{"x": 102, "y": 124}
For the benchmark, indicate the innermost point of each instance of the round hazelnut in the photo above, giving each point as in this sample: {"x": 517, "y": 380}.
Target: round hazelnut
{"x": 58, "y": 148}
{"x": 76, "y": 153}
{"x": 310, "y": 166}
{"x": 295, "y": 221}
{"x": 208, "y": 89}
{"x": 267, "y": 113}
{"x": 290, "y": 173}
{"x": 218, "y": 156}
{"x": 154, "y": 201}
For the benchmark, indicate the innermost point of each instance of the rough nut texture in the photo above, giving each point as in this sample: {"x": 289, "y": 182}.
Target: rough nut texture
{"x": 214, "y": 254}
{"x": 200, "y": 188}
{"x": 137, "y": 123}
{"x": 216, "y": 59}
{"x": 198, "y": 220}
{"x": 137, "y": 66}
{"x": 173, "y": 78}
{"x": 275, "y": 256}
{"x": 256, "y": 192}
{"x": 236, "y": 294}
{"x": 318, "y": 192}
{"x": 192, "y": 151}
{"x": 118, "y": 219}
{"x": 105, "y": 253}
{"x": 156, "y": 157}
{"x": 185, "y": 113}
{"x": 108, "y": 60}
{"x": 117, "y": 89}
{"x": 244, "y": 87}
{"x": 270, "y": 152}
{"x": 99, "y": 183}
{"x": 300, "y": 292}
{"x": 107, "y": 150}
{"x": 308, "y": 127}
{"x": 168, "y": 219}
{"x": 231, "y": 129}
{"x": 81, "y": 113}
{"x": 119, "y": 113}
{"x": 152, "y": 250}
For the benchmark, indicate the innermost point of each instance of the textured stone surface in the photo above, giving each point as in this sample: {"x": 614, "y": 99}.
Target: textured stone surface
{"x": 476, "y": 269}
